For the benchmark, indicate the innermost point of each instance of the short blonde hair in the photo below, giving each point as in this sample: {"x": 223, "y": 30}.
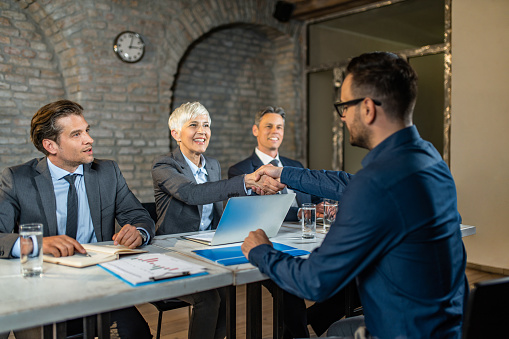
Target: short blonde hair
{"x": 185, "y": 113}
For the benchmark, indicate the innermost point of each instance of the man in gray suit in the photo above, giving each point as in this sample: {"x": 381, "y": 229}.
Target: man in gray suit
{"x": 39, "y": 191}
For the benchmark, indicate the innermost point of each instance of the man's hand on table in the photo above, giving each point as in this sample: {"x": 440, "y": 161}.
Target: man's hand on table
{"x": 61, "y": 246}
{"x": 128, "y": 236}
{"x": 255, "y": 238}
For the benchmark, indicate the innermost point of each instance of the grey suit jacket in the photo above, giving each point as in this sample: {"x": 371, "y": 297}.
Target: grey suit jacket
{"x": 27, "y": 195}
{"x": 179, "y": 199}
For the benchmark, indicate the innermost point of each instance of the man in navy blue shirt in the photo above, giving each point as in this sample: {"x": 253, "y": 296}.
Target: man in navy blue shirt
{"x": 398, "y": 228}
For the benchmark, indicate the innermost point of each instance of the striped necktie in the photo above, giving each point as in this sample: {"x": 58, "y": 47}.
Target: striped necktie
{"x": 72, "y": 207}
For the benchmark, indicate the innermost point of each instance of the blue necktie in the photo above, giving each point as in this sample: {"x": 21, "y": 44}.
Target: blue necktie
{"x": 72, "y": 207}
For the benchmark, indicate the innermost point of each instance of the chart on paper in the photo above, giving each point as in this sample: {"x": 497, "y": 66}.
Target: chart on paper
{"x": 151, "y": 267}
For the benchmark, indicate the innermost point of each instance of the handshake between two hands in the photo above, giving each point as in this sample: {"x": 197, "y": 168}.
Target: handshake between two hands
{"x": 265, "y": 180}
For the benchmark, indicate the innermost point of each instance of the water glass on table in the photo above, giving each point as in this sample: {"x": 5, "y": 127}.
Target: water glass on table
{"x": 30, "y": 246}
{"x": 308, "y": 221}
{"x": 330, "y": 209}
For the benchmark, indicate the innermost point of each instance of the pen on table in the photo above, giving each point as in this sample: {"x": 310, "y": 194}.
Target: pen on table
{"x": 84, "y": 254}
{"x": 168, "y": 276}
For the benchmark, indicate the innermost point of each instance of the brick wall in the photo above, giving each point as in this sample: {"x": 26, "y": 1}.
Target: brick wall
{"x": 232, "y": 72}
{"x": 29, "y": 76}
{"x": 53, "y": 49}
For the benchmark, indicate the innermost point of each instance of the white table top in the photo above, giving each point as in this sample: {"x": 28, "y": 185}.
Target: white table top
{"x": 64, "y": 293}
{"x": 289, "y": 234}
{"x": 467, "y": 230}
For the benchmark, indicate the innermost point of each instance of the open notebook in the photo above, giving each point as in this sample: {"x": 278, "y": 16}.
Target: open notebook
{"x": 95, "y": 254}
{"x": 245, "y": 214}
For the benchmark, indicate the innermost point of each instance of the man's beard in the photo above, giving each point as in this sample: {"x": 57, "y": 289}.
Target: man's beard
{"x": 359, "y": 134}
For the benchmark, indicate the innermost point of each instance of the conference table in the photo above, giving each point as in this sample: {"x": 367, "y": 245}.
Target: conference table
{"x": 247, "y": 274}
{"x": 64, "y": 293}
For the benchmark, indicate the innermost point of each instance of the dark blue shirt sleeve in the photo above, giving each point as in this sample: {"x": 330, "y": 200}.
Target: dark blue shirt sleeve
{"x": 354, "y": 241}
{"x": 325, "y": 184}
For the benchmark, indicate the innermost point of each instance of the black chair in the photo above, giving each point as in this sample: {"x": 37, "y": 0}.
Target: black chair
{"x": 168, "y": 304}
{"x": 487, "y": 310}
{"x": 353, "y": 305}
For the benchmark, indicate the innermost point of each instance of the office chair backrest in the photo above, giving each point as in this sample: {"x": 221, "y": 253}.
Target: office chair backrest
{"x": 487, "y": 312}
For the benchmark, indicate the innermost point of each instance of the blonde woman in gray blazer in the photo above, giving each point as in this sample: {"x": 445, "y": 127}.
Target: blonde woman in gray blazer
{"x": 188, "y": 195}
{"x": 180, "y": 199}
{"x": 186, "y": 182}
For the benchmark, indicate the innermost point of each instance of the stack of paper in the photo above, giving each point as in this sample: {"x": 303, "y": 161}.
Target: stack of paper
{"x": 151, "y": 267}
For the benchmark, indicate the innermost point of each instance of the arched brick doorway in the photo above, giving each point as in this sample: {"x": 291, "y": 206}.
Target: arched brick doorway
{"x": 234, "y": 71}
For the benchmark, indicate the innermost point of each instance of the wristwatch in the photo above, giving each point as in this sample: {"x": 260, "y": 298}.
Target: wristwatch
{"x": 143, "y": 237}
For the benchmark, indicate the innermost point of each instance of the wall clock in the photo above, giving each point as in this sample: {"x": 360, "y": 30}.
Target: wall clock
{"x": 129, "y": 46}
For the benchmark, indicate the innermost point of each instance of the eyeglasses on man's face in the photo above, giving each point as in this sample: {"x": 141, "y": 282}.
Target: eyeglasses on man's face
{"x": 341, "y": 106}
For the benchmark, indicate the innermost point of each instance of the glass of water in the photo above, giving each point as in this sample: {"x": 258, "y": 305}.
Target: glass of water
{"x": 30, "y": 243}
{"x": 308, "y": 221}
{"x": 330, "y": 209}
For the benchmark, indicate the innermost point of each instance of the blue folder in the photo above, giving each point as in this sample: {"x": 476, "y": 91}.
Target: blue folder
{"x": 232, "y": 255}
{"x": 153, "y": 282}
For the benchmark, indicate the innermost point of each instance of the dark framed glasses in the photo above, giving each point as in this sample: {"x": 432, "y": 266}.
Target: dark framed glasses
{"x": 341, "y": 106}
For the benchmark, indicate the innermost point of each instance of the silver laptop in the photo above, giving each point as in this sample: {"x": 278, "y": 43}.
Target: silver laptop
{"x": 245, "y": 214}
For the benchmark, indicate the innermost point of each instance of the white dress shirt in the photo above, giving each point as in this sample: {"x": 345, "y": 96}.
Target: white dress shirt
{"x": 201, "y": 176}
{"x": 266, "y": 159}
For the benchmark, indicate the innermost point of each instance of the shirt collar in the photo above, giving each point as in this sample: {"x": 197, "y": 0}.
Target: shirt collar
{"x": 395, "y": 140}
{"x": 195, "y": 169}
{"x": 266, "y": 159}
{"x": 58, "y": 173}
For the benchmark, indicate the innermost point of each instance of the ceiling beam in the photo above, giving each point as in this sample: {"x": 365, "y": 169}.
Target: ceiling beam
{"x": 312, "y": 9}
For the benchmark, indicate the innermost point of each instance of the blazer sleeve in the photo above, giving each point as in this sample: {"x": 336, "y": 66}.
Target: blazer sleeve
{"x": 169, "y": 176}
{"x": 9, "y": 211}
{"x": 235, "y": 171}
{"x": 128, "y": 208}
{"x": 327, "y": 184}
{"x": 9, "y": 207}
{"x": 7, "y": 241}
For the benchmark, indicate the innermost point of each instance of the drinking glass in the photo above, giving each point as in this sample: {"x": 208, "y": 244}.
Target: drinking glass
{"x": 30, "y": 243}
{"x": 308, "y": 221}
{"x": 330, "y": 209}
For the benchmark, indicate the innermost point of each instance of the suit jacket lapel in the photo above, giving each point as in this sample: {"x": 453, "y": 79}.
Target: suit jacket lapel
{"x": 214, "y": 175}
{"x": 47, "y": 196}
{"x": 212, "y": 171}
{"x": 94, "y": 198}
{"x": 256, "y": 161}
{"x": 186, "y": 170}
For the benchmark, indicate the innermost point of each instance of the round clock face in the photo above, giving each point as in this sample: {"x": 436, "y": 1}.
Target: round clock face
{"x": 129, "y": 46}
